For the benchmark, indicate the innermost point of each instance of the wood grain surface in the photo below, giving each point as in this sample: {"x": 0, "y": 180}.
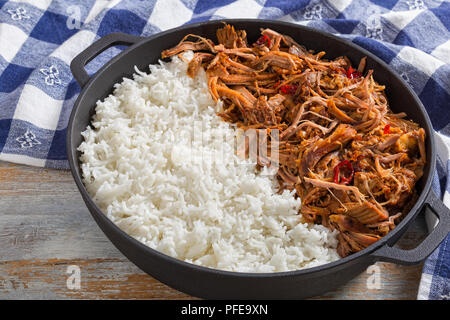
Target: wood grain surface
{"x": 45, "y": 228}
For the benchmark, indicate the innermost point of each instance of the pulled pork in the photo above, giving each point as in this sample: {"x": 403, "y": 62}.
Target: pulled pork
{"x": 352, "y": 161}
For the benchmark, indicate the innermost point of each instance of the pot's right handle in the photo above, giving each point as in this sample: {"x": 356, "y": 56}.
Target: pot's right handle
{"x": 79, "y": 62}
{"x": 431, "y": 242}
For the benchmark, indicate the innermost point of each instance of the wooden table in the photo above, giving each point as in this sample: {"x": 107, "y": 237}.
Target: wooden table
{"x": 45, "y": 228}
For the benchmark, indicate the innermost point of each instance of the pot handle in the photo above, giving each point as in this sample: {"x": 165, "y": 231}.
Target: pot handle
{"x": 431, "y": 242}
{"x": 79, "y": 62}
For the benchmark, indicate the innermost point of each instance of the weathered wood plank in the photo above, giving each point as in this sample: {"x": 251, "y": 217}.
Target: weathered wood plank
{"x": 119, "y": 279}
{"x": 396, "y": 283}
{"x": 100, "y": 279}
{"x": 45, "y": 227}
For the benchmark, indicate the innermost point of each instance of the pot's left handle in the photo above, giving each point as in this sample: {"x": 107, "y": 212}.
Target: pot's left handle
{"x": 428, "y": 245}
{"x": 79, "y": 62}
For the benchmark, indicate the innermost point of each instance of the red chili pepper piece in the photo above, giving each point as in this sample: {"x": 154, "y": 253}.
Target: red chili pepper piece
{"x": 349, "y": 72}
{"x": 267, "y": 39}
{"x": 262, "y": 40}
{"x": 356, "y": 74}
{"x": 339, "y": 177}
{"x": 289, "y": 88}
{"x": 387, "y": 129}
{"x": 352, "y": 73}
{"x": 276, "y": 84}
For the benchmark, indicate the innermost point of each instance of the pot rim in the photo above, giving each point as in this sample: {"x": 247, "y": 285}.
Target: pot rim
{"x": 97, "y": 212}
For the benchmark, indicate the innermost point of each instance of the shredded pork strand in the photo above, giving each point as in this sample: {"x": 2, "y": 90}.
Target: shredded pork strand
{"x": 332, "y": 119}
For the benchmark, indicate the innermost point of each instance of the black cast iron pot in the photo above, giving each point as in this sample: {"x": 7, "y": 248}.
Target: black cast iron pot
{"x": 210, "y": 283}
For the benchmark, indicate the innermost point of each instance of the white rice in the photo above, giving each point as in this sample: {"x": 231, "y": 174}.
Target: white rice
{"x": 192, "y": 199}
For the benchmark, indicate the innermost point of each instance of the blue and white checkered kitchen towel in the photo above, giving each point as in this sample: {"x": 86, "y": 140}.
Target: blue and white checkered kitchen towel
{"x": 39, "y": 38}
